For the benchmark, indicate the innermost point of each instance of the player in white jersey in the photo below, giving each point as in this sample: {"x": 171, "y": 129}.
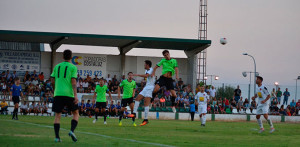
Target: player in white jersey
{"x": 145, "y": 93}
{"x": 262, "y": 106}
{"x": 202, "y": 98}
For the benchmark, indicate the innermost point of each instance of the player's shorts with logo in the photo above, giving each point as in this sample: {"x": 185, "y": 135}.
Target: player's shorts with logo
{"x": 126, "y": 102}
{"x": 262, "y": 109}
{"x": 164, "y": 81}
{"x": 202, "y": 109}
{"x": 147, "y": 91}
{"x": 61, "y": 101}
{"x": 100, "y": 105}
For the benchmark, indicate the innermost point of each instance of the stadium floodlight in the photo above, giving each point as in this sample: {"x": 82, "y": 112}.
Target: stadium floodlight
{"x": 254, "y": 88}
{"x": 217, "y": 78}
{"x": 276, "y": 83}
{"x": 245, "y": 54}
{"x": 205, "y": 78}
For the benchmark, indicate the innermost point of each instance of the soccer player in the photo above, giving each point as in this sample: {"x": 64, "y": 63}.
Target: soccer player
{"x": 100, "y": 92}
{"x": 262, "y": 105}
{"x": 65, "y": 93}
{"x": 202, "y": 98}
{"x": 129, "y": 86}
{"x": 170, "y": 68}
{"x": 146, "y": 93}
{"x": 15, "y": 93}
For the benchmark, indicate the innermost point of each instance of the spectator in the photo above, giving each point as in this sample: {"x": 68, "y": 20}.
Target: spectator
{"x": 253, "y": 105}
{"x": 78, "y": 78}
{"x": 278, "y": 95}
{"x": 112, "y": 109}
{"x": 214, "y": 102}
{"x": 41, "y": 77}
{"x": 156, "y": 102}
{"x": 216, "y": 109}
{"x": 81, "y": 107}
{"x": 3, "y": 106}
{"x": 36, "y": 90}
{"x": 237, "y": 93}
{"x": 8, "y": 75}
{"x": 226, "y": 103}
{"x": 31, "y": 108}
{"x": 246, "y": 104}
{"x": 282, "y": 111}
{"x": 209, "y": 109}
{"x": 14, "y": 75}
{"x": 180, "y": 84}
{"x": 192, "y": 109}
{"x": 118, "y": 110}
{"x": 273, "y": 94}
{"x": 26, "y": 76}
{"x": 96, "y": 78}
{"x": 48, "y": 97}
{"x": 24, "y": 108}
{"x": 126, "y": 113}
{"x": 34, "y": 75}
{"x": 88, "y": 107}
{"x": 181, "y": 104}
{"x": 293, "y": 111}
{"x": 288, "y": 110}
{"x": 85, "y": 85}
{"x": 30, "y": 89}
{"x": 81, "y": 89}
{"x": 233, "y": 104}
{"x": 88, "y": 78}
{"x": 222, "y": 109}
{"x": 37, "y": 108}
{"x": 123, "y": 78}
{"x": 108, "y": 78}
{"x": 212, "y": 92}
{"x": 5, "y": 90}
{"x": 163, "y": 102}
{"x": 293, "y": 103}
{"x": 93, "y": 108}
{"x": 44, "y": 108}
{"x": 186, "y": 102}
{"x": 298, "y": 104}
{"x": 35, "y": 81}
{"x": 286, "y": 95}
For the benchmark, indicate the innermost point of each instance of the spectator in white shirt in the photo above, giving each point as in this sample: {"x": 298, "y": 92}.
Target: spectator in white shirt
{"x": 212, "y": 92}
{"x": 108, "y": 78}
{"x": 24, "y": 108}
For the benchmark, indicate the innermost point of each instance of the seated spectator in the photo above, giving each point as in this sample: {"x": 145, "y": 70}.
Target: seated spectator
{"x": 156, "y": 102}
{"x": 81, "y": 107}
{"x": 114, "y": 79}
{"x": 31, "y": 108}
{"x": 162, "y": 102}
{"x": 126, "y": 113}
{"x": 78, "y": 78}
{"x": 79, "y": 84}
{"x": 233, "y": 104}
{"x": 275, "y": 110}
{"x": 240, "y": 105}
{"x": 35, "y": 81}
{"x": 282, "y": 111}
{"x": 108, "y": 78}
{"x": 88, "y": 78}
{"x": 81, "y": 89}
{"x": 293, "y": 111}
{"x": 180, "y": 84}
{"x": 222, "y": 109}
{"x": 118, "y": 110}
{"x": 209, "y": 109}
{"x": 88, "y": 107}
{"x": 288, "y": 110}
{"x": 253, "y": 105}
{"x": 93, "y": 108}
{"x": 184, "y": 93}
{"x": 4, "y": 107}
{"x": 44, "y": 108}
{"x": 34, "y": 75}
{"x": 226, "y": 102}
{"x": 41, "y": 77}
{"x": 30, "y": 89}
{"x": 85, "y": 85}
{"x": 26, "y": 76}
{"x": 293, "y": 103}
{"x": 37, "y": 108}
{"x": 14, "y": 75}
{"x": 181, "y": 102}
{"x": 216, "y": 109}
{"x": 112, "y": 109}
{"x": 49, "y": 96}
{"x": 89, "y": 89}
{"x": 246, "y": 104}
{"x": 214, "y": 102}
{"x": 186, "y": 101}
{"x": 36, "y": 90}
{"x": 24, "y": 108}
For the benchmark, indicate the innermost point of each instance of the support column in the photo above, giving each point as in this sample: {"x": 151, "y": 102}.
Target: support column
{"x": 54, "y": 46}
{"x": 192, "y": 71}
{"x": 123, "y": 60}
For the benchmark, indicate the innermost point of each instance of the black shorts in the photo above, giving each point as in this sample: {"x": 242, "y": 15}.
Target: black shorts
{"x": 164, "y": 81}
{"x": 16, "y": 99}
{"x": 126, "y": 102}
{"x": 100, "y": 105}
{"x": 61, "y": 101}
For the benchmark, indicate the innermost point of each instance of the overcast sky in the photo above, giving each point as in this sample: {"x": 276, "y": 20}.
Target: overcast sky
{"x": 267, "y": 29}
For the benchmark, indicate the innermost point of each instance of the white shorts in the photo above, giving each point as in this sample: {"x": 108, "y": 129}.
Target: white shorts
{"x": 202, "y": 109}
{"x": 147, "y": 91}
{"x": 262, "y": 109}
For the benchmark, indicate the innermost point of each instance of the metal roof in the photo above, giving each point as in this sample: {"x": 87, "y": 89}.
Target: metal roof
{"x": 103, "y": 40}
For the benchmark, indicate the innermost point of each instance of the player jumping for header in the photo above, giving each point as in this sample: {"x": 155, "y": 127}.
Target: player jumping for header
{"x": 170, "y": 68}
{"x": 146, "y": 92}
{"x": 129, "y": 86}
{"x": 262, "y": 105}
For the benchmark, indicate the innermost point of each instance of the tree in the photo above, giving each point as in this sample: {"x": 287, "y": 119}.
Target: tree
{"x": 226, "y": 91}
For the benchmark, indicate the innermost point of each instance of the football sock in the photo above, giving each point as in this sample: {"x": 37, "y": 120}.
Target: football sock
{"x": 73, "y": 124}
{"x": 56, "y": 130}
{"x": 146, "y": 112}
{"x": 120, "y": 116}
{"x": 270, "y": 122}
{"x": 105, "y": 115}
{"x": 96, "y": 115}
{"x": 260, "y": 123}
{"x": 136, "y": 105}
{"x": 173, "y": 100}
{"x": 204, "y": 119}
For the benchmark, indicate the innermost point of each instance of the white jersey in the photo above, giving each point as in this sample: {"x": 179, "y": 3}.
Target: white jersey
{"x": 150, "y": 80}
{"x": 202, "y": 98}
{"x": 262, "y": 93}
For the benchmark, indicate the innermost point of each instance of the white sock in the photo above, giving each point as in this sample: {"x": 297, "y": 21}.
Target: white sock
{"x": 270, "y": 122}
{"x": 204, "y": 119}
{"x": 201, "y": 119}
{"x": 260, "y": 123}
{"x": 136, "y": 106}
{"x": 146, "y": 112}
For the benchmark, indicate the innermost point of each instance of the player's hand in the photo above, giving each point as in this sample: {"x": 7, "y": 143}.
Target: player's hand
{"x": 177, "y": 79}
{"x": 119, "y": 96}
{"x": 253, "y": 98}
{"x": 264, "y": 101}
{"x": 152, "y": 75}
{"x": 76, "y": 100}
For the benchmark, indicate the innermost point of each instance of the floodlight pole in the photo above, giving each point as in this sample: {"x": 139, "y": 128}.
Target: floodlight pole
{"x": 254, "y": 71}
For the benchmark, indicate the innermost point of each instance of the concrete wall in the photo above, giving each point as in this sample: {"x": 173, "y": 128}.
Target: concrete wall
{"x": 133, "y": 63}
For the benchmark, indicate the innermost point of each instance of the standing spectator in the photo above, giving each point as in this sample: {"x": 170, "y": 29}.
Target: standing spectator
{"x": 8, "y": 75}
{"x": 273, "y": 94}
{"x": 278, "y": 95}
{"x": 78, "y": 78}
{"x": 4, "y": 107}
{"x": 34, "y": 75}
{"x": 114, "y": 79}
{"x": 85, "y": 85}
{"x": 286, "y": 95}
{"x": 41, "y": 77}
{"x": 237, "y": 93}
{"x": 163, "y": 102}
{"x": 180, "y": 84}
{"x": 24, "y": 108}
{"x": 108, "y": 78}
{"x": 253, "y": 105}
{"x": 212, "y": 92}
{"x": 156, "y": 102}
{"x": 293, "y": 103}
{"x": 192, "y": 109}
{"x": 88, "y": 78}
{"x": 4, "y": 90}
{"x": 14, "y": 75}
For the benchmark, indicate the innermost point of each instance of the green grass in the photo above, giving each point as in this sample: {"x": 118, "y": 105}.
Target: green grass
{"x": 32, "y": 131}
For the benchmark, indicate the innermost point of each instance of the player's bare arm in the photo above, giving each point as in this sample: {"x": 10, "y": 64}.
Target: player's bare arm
{"x": 119, "y": 92}
{"x": 143, "y": 76}
{"x": 264, "y": 101}
{"x": 74, "y": 86}
{"x": 154, "y": 70}
{"x": 254, "y": 97}
{"x": 10, "y": 93}
{"x": 176, "y": 72}
{"x": 95, "y": 94}
{"x": 109, "y": 93}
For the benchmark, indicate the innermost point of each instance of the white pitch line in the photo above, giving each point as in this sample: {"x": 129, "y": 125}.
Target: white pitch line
{"x": 95, "y": 134}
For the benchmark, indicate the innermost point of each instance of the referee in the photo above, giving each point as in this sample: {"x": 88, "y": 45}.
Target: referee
{"x": 63, "y": 78}
{"x": 15, "y": 93}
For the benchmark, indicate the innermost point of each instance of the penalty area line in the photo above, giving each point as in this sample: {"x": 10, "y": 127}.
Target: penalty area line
{"x": 94, "y": 134}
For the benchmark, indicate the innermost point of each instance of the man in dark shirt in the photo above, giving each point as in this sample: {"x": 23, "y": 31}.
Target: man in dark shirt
{"x": 237, "y": 93}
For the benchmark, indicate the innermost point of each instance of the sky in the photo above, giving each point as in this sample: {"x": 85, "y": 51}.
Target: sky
{"x": 268, "y": 30}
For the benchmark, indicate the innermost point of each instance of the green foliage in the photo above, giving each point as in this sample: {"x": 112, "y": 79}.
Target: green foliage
{"x": 226, "y": 91}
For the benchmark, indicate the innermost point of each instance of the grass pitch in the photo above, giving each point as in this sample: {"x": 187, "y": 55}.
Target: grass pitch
{"x": 38, "y": 131}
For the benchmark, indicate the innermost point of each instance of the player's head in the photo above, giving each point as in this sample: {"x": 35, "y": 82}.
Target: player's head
{"x": 101, "y": 81}
{"x": 67, "y": 55}
{"x": 148, "y": 64}
{"x": 130, "y": 75}
{"x": 259, "y": 79}
{"x": 166, "y": 54}
{"x": 17, "y": 81}
{"x": 202, "y": 89}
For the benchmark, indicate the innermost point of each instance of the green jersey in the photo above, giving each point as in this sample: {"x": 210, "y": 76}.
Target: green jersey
{"x": 101, "y": 93}
{"x": 128, "y": 88}
{"x": 63, "y": 74}
{"x": 279, "y": 94}
{"x": 168, "y": 65}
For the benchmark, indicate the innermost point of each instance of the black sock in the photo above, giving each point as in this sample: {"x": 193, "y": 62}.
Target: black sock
{"x": 104, "y": 114}
{"x": 173, "y": 100}
{"x": 153, "y": 95}
{"x": 133, "y": 118}
{"x": 73, "y": 124}
{"x": 121, "y": 115}
{"x": 96, "y": 115}
{"x": 56, "y": 130}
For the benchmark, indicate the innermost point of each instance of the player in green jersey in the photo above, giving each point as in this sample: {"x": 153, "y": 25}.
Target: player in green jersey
{"x": 65, "y": 93}
{"x": 100, "y": 92}
{"x": 170, "y": 68}
{"x": 129, "y": 86}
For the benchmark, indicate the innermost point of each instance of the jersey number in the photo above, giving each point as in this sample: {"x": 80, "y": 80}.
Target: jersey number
{"x": 65, "y": 71}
